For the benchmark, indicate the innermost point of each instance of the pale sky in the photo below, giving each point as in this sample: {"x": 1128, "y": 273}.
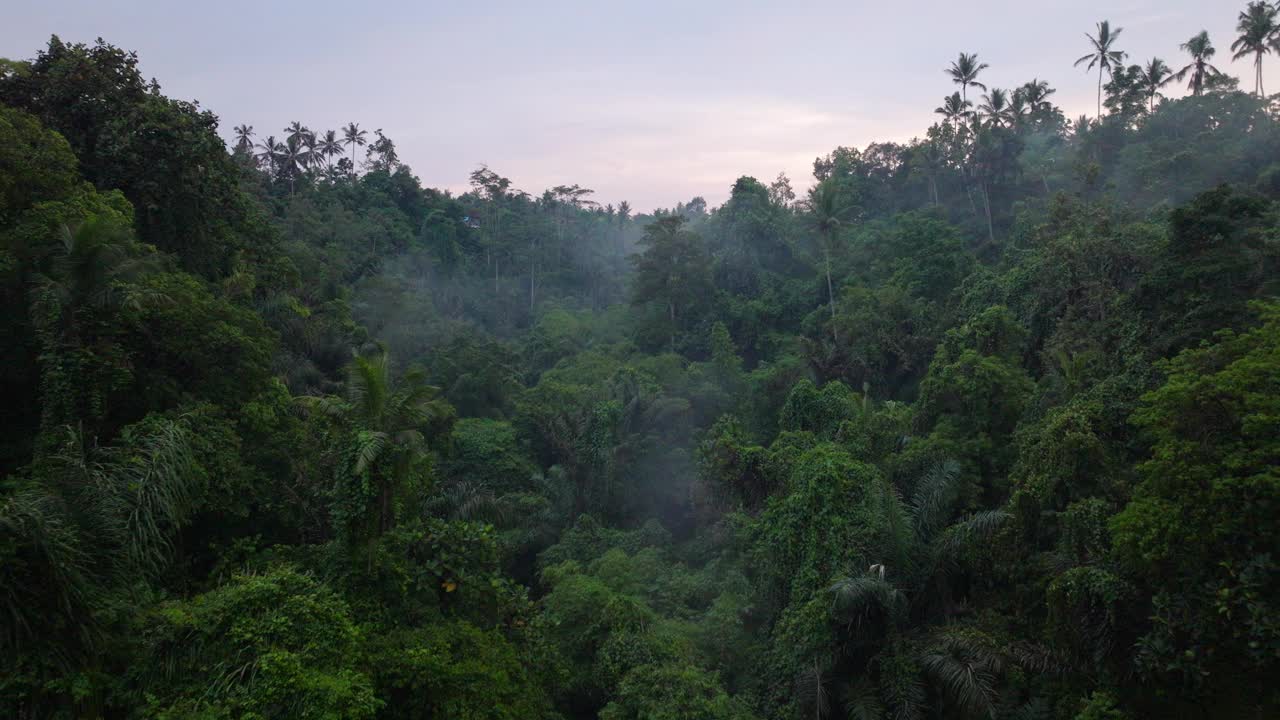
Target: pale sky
{"x": 652, "y": 102}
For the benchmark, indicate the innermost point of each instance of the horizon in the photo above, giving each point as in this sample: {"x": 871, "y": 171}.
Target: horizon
{"x": 654, "y": 106}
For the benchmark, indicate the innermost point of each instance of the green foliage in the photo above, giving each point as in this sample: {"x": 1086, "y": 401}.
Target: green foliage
{"x": 1198, "y": 527}
{"x": 273, "y": 645}
{"x": 686, "y": 693}
{"x": 453, "y": 670}
{"x": 981, "y": 427}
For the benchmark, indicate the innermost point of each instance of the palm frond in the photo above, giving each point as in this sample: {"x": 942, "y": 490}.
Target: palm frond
{"x": 934, "y": 496}
{"x": 966, "y": 674}
{"x": 370, "y": 445}
{"x": 862, "y": 700}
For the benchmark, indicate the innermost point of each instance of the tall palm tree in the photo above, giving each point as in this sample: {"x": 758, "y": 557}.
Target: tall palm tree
{"x": 1037, "y": 94}
{"x": 828, "y": 213}
{"x": 995, "y": 105}
{"x": 353, "y": 137}
{"x": 311, "y": 156}
{"x": 964, "y": 71}
{"x": 954, "y": 109}
{"x": 923, "y": 540}
{"x": 1155, "y": 75}
{"x": 330, "y": 146}
{"x": 269, "y": 153}
{"x": 294, "y": 158}
{"x": 1259, "y": 34}
{"x": 296, "y": 132}
{"x": 388, "y": 421}
{"x": 1200, "y": 69}
{"x": 1103, "y": 56}
{"x": 1019, "y": 108}
{"x": 244, "y": 137}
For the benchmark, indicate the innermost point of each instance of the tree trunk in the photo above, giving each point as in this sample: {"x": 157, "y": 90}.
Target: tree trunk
{"x": 831, "y": 293}
{"x": 671, "y": 308}
{"x": 1099, "y": 91}
{"x": 986, "y": 199}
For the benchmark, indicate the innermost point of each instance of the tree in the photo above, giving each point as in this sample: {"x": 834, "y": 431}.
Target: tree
{"x": 964, "y": 71}
{"x": 269, "y": 152}
{"x": 919, "y": 554}
{"x": 1155, "y": 75}
{"x": 827, "y": 212}
{"x": 954, "y": 109}
{"x": 330, "y": 146}
{"x": 1103, "y": 56}
{"x": 996, "y": 107}
{"x": 293, "y": 158}
{"x": 353, "y": 137}
{"x": 1258, "y": 36}
{"x": 673, "y": 270}
{"x": 387, "y": 424}
{"x": 1037, "y": 92}
{"x": 296, "y": 133}
{"x": 244, "y": 137}
{"x": 1199, "y": 69}
{"x": 1199, "y": 531}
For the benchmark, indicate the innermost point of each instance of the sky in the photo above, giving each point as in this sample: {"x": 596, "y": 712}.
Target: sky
{"x": 651, "y": 102}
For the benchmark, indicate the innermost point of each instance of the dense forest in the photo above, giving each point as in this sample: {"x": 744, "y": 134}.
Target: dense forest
{"x": 983, "y": 425}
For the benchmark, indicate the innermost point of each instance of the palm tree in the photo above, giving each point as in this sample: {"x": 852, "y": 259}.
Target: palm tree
{"x": 1259, "y": 34}
{"x": 353, "y": 137}
{"x": 310, "y": 155}
{"x": 930, "y": 160}
{"x": 387, "y": 421}
{"x": 954, "y": 109}
{"x": 1037, "y": 92}
{"x": 1105, "y": 58}
{"x": 1200, "y": 69}
{"x": 104, "y": 517}
{"x": 828, "y": 212}
{"x": 964, "y": 72}
{"x": 330, "y": 146}
{"x": 94, "y": 261}
{"x": 1019, "y": 108}
{"x": 1155, "y": 76}
{"x": 996, "y": 106}
{"x": 293, "y": 158}
{"x": 922, "y": 547}
{"x": 296, "y": 132}
{"x": 269, "y": 153}
{"x": 244, "y": 137}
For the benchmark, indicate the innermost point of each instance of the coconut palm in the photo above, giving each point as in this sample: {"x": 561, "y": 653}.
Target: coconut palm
{"x": 1259, "y": 34}
{"x": 1103, "y": 56}
{"x": 954, "y": 109}
{"x": 1018, "y": 108}
{"x": 311, "y": 155}
{"x": 293, "y": 158}
{"x": 244, "y": 137}
{"x": 330, "y": 146}
{"x": 964, "y": 71}
{"x": 995, "y": 105}
{"x": 296, "y": 132}
{"x": 1199, "y": 69}
{"x": 1037, "y": 92}
{"x": 269, "y": 153}
{"x": 828, "y": 212}
{"x": 1155, "y": 75}
{"x": 354, "y": 137}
